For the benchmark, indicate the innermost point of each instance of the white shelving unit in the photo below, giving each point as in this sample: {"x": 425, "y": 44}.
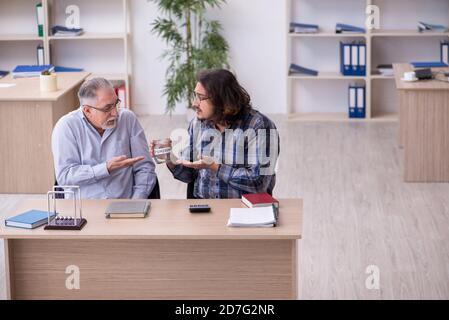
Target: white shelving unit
{"x": 373, "y": 112}
{"x": 19, "y": 30}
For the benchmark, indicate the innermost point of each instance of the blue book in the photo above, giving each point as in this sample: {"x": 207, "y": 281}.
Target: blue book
{"x": 429, "y": 64}
{"x": 28, "y": 220}
{"x": 25, "y": 71}
{"x": 424, "y": 26}
{"x": 67, "y": 69}
{"x": 3, "y": 73}
{"x": 346, "y": 28}
{"x": 294, "y": 68}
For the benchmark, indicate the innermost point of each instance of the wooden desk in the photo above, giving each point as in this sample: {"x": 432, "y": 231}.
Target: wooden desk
{"x": 27, "y": 118}
{"x": 172, "y": 254}
{"x": 423, "y": 127}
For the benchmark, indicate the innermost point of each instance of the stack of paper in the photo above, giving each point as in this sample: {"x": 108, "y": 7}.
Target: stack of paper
{"x": 253, "y": 217}
{"x": 427, "y": 27}
{"x": 60, "y": 31}
{"x": 385, "y": 69}
{"x": 128, "y": 209}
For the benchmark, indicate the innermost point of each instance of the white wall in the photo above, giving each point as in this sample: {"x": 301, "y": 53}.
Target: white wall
{"x": 255, "y": 30}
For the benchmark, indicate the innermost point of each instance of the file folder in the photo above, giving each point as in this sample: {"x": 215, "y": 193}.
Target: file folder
{"x": 345, "y": 59}
{"x": 294, "y": 68}
{"x": 356, "y": 101}
{"x": 40, "y": 19}
{"x": 444, "y": 52}
{"x": 40, "y": 55}
{"x": 355, "y": 59}
{"x": 360, "y": 111}
{"x": 428, "y": 64}
{"x": 352, "y": 103}
{"x": 362, "y": 59}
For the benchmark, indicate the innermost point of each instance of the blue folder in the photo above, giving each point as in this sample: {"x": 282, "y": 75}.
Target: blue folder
{"x": 428, "y": 64}
{"x": 294, "y": 68}
{"x": 28, "y": 220}
{"x": 341, "y": 28}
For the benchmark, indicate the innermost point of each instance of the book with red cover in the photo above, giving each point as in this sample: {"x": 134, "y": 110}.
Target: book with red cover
{"x": 259, "y": 200}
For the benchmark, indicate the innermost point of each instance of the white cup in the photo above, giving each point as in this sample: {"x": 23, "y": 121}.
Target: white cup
{"x": 48, "y": 83}
{"x": 409, "y": 76}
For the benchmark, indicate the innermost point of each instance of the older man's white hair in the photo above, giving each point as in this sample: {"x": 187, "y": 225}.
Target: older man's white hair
{"x": 87, "y": 93}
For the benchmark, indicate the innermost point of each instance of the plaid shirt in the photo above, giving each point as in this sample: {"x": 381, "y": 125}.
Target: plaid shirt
{"x": 246, "y": 153}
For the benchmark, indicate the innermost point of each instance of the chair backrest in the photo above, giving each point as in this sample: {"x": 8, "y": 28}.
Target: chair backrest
{"x": 156, "y": 192}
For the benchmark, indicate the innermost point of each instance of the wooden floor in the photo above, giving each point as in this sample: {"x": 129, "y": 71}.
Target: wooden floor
{"x": 357, "y": 211}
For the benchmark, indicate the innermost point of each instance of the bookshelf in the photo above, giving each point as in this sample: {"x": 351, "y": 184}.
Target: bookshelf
{"x": 106, "y": 37}
{"x": 326, "y": 14}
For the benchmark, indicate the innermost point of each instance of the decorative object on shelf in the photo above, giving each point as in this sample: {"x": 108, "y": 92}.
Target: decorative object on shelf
{"x": 73, "y": 19}
{"x": 48, "y": 82}
{"x": 194, "y": 43}
{"x": 303, "y": 28}
{"x": 295, "y": 69}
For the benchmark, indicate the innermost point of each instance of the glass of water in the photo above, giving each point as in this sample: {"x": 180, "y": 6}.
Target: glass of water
{"x": 162, "y": 150}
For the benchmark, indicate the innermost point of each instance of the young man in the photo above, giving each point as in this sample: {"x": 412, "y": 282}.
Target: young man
{"x": 231, "y": 148}
{"x": 100, "y": 149}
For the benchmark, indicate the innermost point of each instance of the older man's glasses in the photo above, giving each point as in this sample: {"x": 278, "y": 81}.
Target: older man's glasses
{"x": 199, "y": 97}
{"x": 109, "y": 107}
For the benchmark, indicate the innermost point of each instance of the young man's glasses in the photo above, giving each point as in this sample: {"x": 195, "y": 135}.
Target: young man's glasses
{"x": 108, "y": 108}
{"x": 199, "y": 97}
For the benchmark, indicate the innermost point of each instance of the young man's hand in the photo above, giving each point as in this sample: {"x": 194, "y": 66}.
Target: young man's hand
{"x": 201, "y": 163}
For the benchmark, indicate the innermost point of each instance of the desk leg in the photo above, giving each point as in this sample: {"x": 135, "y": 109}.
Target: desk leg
{"x": 9, "y": 268}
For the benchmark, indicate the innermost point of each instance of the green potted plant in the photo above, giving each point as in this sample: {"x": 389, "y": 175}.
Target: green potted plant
{"x": 194, "y": 44}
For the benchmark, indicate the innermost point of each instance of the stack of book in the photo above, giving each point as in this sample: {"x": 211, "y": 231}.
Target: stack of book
{"x": 253, "y": 200}
{"x": 3, "y": 73}
{"x": 25, "y": 71}
{"x": 295, "y": 69}
{"x": 427, "y": 27}
{"x": 303, "y": 28}
{"x": 346, "y": 28}
{"x": 385, "y": 69}
{"x": 127, "y": 209}
{"x": 260, "y": 217}
{"x": 60, "y": 31}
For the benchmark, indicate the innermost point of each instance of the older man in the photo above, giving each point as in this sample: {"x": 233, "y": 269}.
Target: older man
{"x": 102, "y": 148}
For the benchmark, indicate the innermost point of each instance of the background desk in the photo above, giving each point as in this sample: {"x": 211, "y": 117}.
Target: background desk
{"x": 423, "y": 127}
{"x": 27, "y": 118}
{"x": 172, "y": 254}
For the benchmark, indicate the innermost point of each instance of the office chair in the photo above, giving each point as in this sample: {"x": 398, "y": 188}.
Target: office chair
{"x": 155, "y": 193}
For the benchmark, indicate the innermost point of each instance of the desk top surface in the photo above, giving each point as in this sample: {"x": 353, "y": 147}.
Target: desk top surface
{"x": 399, "y": 70}
{"x": 167, "y": 219}
{"x": 28, "y": 89}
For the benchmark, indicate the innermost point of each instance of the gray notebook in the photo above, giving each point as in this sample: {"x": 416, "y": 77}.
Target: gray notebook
{"x": 128, "y": 209}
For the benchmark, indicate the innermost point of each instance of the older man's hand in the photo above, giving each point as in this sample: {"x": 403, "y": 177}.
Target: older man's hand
{"x": 121, "y": 162}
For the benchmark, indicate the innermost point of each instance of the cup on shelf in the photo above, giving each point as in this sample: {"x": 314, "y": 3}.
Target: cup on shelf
{"x": 48, "y": 82}
{"x": 409, "y": 76}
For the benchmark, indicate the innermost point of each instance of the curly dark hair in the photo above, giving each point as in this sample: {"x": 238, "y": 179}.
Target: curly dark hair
{"x": 229, "y": 98}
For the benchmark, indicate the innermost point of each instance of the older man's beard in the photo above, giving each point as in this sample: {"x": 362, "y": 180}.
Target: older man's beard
{"x": 109, "y": 124}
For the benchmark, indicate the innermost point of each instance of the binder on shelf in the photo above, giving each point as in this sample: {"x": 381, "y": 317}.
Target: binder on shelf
{"x": 353, "y": 58}
{"x": 40, "y": 55}
{"x": 356, "y": 101}
{"x": 295, "y": 69}
{"x": 40, "y": 19}
{"x": 444, "y": 51}
{"x": 67, "y": 69}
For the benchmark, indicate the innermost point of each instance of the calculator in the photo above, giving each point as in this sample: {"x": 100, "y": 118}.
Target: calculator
{"x": 199, "y": 208}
